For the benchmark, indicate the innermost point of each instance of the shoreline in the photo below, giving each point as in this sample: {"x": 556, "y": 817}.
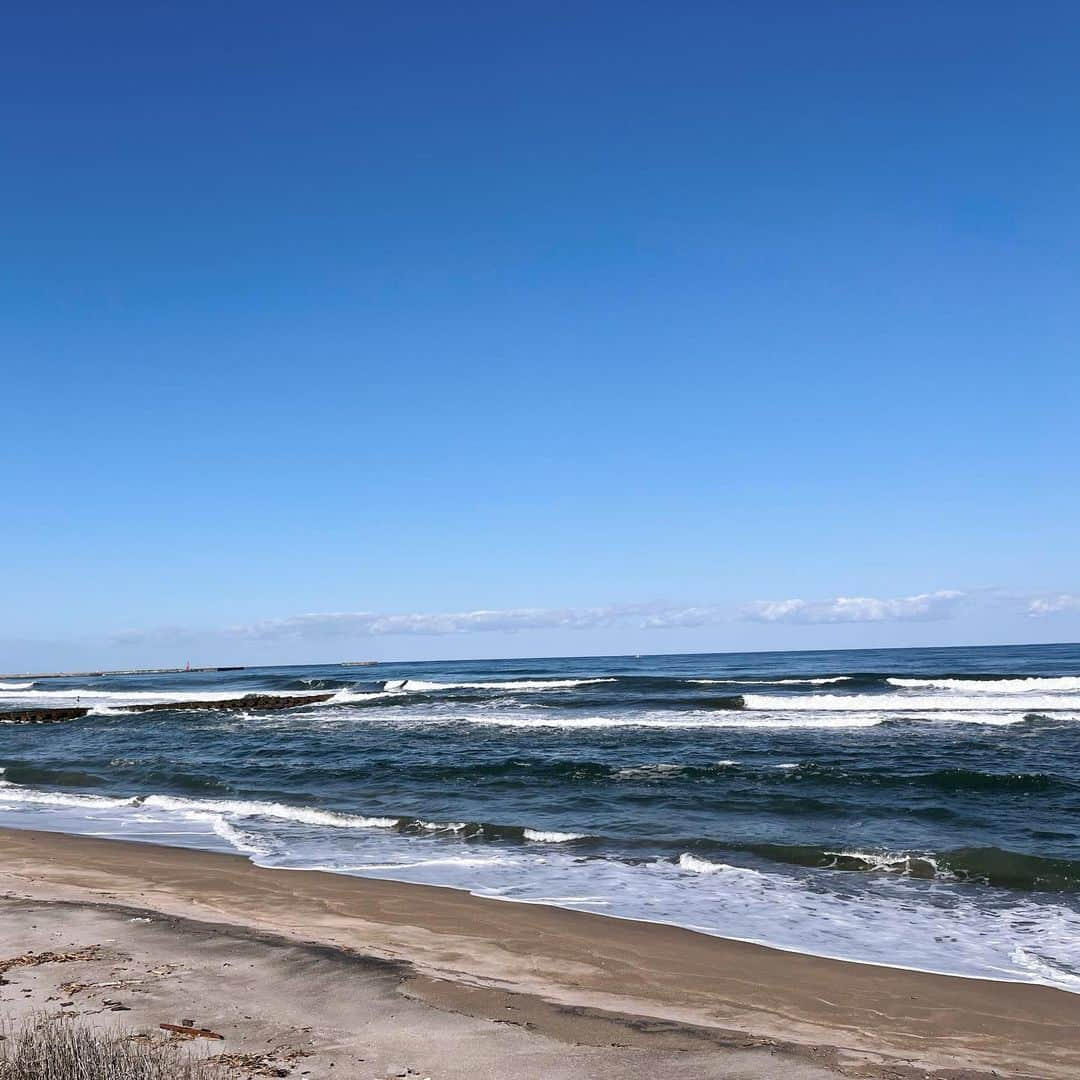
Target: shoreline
{"x": 255, "y": 855}
{"x": 851, "y": 1015}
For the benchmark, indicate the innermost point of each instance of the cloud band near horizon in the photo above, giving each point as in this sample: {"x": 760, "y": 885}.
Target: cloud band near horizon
{"x": 923, "y": 607}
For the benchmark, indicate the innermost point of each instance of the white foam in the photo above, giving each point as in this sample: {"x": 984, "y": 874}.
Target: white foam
{"x": 1045, "y": 971}
{"x": 229, "y": 833}
{"x": 902, "y": 703}
{"x": 455, "y": 862}
{"x": 15, "y": 685}
{"x": 887, "y": 862}
{"x": 546, "y": 837}
{"x": 11, "y": 793}
{"x": 810, "y": 682}
{"x": 279, "y": 811}
{"x": 230, "y": 807}
{"x": 993, "y": 686}
{"x": 771, "y": 682}
{"x": 891, "y": 917}
{"x": 343, "y": 697}
{"x": 517, "y": 684}
{"x": 659, "y": 768}
{"x": 704, "y": 866}
{"x": 720, "y": 718}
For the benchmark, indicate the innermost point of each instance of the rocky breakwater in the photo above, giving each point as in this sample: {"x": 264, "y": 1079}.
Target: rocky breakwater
{"x": 249, "y": 702}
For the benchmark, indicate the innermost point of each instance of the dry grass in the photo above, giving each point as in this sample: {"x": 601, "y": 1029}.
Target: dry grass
{"x": 51, "y": 1048}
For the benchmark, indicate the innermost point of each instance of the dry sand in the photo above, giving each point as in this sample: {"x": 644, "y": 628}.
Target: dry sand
{"x": 332, "y": 976}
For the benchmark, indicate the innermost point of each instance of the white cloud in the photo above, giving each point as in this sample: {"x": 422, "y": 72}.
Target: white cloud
{"x": 372, "y": 624}
{"x": 1054, "y": 605}
{"x": 679, "y": 618}
{"x": 924, "y": 607}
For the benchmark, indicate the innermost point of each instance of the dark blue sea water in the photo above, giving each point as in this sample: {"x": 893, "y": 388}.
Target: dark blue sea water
{"x": 913, "y": 807}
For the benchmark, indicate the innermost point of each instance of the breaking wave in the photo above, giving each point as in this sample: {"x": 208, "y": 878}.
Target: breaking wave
{"x": 1018, "y": 685}
{"x": 515, "y": 684}
{"x": 705, "y": 866}
{"x": 904, "y": 703}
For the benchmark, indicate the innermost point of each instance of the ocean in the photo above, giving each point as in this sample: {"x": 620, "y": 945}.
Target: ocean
{"x": 910, "y": 807}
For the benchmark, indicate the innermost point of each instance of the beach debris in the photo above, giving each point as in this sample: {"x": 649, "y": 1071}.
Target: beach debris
{"x": 72, "y": 988}
{"x": 34, "y": 959}
{"x": 275, "y": 1063}
{"x": 191, "y": 1032}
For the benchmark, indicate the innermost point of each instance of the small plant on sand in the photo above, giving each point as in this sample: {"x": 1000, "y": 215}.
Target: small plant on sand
{"x": 50, "y": 1048}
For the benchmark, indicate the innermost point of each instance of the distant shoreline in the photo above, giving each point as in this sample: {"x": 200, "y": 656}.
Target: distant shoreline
{"x": 125, "y": 671}
{"x": 529, "y": 659}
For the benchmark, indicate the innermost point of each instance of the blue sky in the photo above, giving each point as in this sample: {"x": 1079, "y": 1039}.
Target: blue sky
{"x": 323, "y": 330}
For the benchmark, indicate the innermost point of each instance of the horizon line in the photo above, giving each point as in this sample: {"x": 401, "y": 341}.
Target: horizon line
{"x": 207, "y": 668}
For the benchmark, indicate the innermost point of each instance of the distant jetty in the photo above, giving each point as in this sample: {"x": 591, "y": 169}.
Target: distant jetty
{"x": 103, "y": 674}
{"x": 254, "y": 702}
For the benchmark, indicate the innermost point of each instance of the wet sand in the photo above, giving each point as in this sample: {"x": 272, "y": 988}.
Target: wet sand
{"x": 343, "y": 969}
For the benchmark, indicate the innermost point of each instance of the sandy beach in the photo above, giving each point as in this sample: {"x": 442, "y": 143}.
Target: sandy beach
{"x": 328, "y": 975}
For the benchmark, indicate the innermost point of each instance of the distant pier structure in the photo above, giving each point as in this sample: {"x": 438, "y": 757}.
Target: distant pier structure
{"x": 129, "y": 671}
{"x": 187, "y": 669}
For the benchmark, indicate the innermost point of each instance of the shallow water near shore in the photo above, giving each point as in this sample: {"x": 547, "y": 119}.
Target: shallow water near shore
{"x": 911, "y": 807}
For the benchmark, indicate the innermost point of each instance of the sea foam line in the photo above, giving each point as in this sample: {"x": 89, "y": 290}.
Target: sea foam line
{"x": 705, "y": 866}
{"x": 772, "y": 682}
{"x": 992, "y": 686}
{"x": 517, "y": 684}
{"x": 212, "y": 809}
{"x": 726, "y": 718}
{"x": 904, "y": 702}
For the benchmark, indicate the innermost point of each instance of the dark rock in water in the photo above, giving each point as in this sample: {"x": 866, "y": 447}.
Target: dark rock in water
{"x": 733, "y": 701}
{"x": 262, "y": 702}
{"x": 41, "y": 716}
